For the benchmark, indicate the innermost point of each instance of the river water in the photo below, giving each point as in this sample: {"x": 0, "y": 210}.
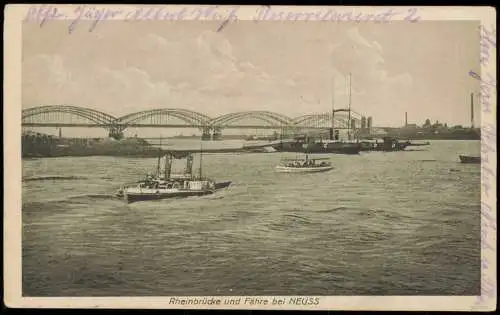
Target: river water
{"x": 400, "y": 223}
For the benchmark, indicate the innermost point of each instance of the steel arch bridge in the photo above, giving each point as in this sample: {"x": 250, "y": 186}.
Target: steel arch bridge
{"x": 274, "y": 119}
{"x": 324, "y": 120}
{"x": 161, "y": 116}
{"x": 32, "y": 116}
{"x": 57, "y": 116}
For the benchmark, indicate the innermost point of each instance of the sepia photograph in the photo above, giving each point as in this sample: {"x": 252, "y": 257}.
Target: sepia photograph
{"x": 166, "y": 157}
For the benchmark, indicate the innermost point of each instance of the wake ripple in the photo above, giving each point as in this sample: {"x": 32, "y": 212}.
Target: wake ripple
{"x": 93, "y": 196}
{"x": 52, "y": 177}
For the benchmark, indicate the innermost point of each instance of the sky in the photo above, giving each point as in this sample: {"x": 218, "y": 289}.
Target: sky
{"x": 292, "y": 68}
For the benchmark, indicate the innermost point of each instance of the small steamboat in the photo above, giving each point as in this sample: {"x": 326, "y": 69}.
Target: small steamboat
{"x": 165, "y": 185}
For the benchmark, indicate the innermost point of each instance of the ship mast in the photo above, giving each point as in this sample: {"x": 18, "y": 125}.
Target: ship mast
{"x": 201, "y": 156}
{"x": 332, "y": 136}
{"x": 349, "y": 112}
{"x": 159, "y": 158}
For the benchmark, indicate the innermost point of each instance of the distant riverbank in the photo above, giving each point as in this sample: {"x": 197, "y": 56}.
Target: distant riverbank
{"x": 40, "y": 145}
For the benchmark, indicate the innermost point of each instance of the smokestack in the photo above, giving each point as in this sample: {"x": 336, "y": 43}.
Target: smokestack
{"x": 472, "y": 110}
{"x": 406, "y": 119}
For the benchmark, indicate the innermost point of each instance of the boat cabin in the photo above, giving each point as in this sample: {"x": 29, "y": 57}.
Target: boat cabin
{"x": 306, "y": 162}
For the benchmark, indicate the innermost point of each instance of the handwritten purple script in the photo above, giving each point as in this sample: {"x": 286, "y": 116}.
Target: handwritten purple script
{"x": 487, "y": 83}
{"x": 42, "y": 14}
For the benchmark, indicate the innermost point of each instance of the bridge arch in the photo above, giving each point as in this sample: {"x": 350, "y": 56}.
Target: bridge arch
{"x": 324, "y": 120}
{"x": 267, "y": 116}
{"x": 188, "y": 116}
{"x": 93, "y": 115}
{"x": 303, "y": 120}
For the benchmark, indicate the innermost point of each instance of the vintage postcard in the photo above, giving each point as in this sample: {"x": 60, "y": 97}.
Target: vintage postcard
{"x": 250, "y": 157}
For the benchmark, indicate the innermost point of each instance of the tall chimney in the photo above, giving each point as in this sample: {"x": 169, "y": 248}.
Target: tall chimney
{"x": 406, "y": 119}
{"x": 472, "y": 110}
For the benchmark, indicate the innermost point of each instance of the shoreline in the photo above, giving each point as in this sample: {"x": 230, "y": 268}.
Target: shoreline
{"x": 47, "y": 147}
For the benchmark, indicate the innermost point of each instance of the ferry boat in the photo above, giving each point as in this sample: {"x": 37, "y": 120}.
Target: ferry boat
{"x": 468, "y": 159}
{"x": 167, "y": 185}
{"x": 303, "y": 165}
{"x": 390, "y": 144}
{"x": 334, "y": 145}
{"x": 302, "y": 144}
{"x": 386, "y": 144}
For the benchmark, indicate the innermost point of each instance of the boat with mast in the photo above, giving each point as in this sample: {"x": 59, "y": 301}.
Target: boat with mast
{"x": 164, "y": 184}
{"x": 333, "y": 145}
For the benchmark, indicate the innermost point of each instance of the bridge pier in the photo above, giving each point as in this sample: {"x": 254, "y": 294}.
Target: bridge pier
{"x": 206, "y": 134}
{"x": 286, "y": 132}
{"x": 115, "y": 133}
{"x": 217, "y": 133}
{"x": 211, "y": 133}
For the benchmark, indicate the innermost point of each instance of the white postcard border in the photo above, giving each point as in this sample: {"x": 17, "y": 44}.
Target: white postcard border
{"x": 14, "y": 16}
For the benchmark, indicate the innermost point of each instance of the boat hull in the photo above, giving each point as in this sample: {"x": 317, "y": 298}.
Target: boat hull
{"x": 286, "y": 169}
{"x": 400, "y": 147}
{"x": 470, "y": 159}
{"x": 135, "y": 197}
{"x": 412, "y": 144}
{"x": 383, "y": 149}
{"x": 131, "y": 197}
{"x": 222, "y": 185}
{"x": 319, "y": 150}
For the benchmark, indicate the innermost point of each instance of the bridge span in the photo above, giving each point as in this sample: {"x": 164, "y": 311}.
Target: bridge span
{"x": 73, "y": 116}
